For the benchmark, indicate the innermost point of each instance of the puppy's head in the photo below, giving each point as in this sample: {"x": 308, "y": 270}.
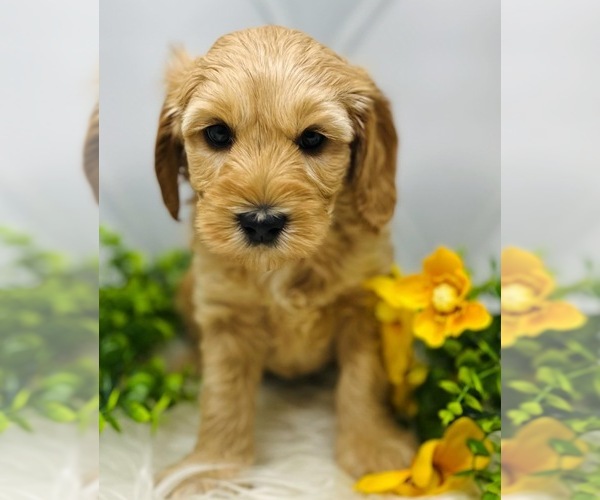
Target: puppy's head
{"x": 270, "y": 127}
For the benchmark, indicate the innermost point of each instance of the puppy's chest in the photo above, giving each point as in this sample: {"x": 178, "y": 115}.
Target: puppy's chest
{"x": 301, "y": 341}
{"x": 303, "y": 316}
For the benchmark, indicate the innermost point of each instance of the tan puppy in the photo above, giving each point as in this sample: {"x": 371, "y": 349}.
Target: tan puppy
{"x": 292, "y": 154}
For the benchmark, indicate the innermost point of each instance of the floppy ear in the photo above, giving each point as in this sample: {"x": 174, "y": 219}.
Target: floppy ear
{"x": 91, "y": 151}
{"x": 373, "y": 169}
{"x": 169, "y": 153}
{"x": 169, "y": 160}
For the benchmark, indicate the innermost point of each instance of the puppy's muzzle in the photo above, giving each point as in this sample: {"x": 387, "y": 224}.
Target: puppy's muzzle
{"x": 262, "y": 228}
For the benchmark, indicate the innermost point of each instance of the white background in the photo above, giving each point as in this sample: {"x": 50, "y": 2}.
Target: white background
{"x": 48, "y": 87}
{"x": 551, "y": 130}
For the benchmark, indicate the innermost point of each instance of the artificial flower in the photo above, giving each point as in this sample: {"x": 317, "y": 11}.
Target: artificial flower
{"x": 437, "y": 295}
{"x": 526, "y": 310}
{"x": 435, "y": 465}
{"x": 530, "y": 453}
{"x": 403, "y": 370}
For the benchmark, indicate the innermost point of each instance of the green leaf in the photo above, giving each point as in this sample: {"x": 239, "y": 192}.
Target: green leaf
{"x": 446, "y": 417}
{"x": 558, "y": 402}
{"x": 580, "y": 495}
{"x": 140, "y": 378}
{"x": 112, "y": 422}
{"x": 563, "y": 382}
{"x": 477, "y": 382}
{"x": 524, "y": 386}
{"x": 4, "y": 422}
{"x": 547, "y": 375}
{"x": 491, "y": 425}
{"x": 464, "y": 375}
{"x": 162, "y": 404}
{"x": 138, "y": 412}
{"x": 518, "y": 417}
{"x": 493, "y": 488}
{"x": 469, "y": 357}
{"x": 488, "y": 495}
{"x": 20, "y": 400}
{"x": 21, "y": 422}
{"x": 113, "y": 399}
{"x": 473, "y": 402}
{"x": 452, "y": 347}
{"x": 532, "y": 408}
{"x": 455, "y": 407}
{"x": 59, "y": 412}
{"x": 477, "y": 448}
{"x": 450, "y": 386}
{"x": 174, "y": 382}
{"x": 565, "y": 448}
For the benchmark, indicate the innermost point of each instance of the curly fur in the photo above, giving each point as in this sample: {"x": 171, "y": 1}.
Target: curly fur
{"x": 299, "y": 305}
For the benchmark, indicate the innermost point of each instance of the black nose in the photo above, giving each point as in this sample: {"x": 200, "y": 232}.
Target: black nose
{"x": 261, "y": 228}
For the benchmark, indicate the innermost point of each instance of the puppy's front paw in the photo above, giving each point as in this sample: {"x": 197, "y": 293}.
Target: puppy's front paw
{"x": 193, "y": 475}
{"x": 365, "y": 451}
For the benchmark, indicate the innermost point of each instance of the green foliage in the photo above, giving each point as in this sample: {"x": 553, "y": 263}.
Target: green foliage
{"x": 464, "y": 380}
{"x": 137, "y": 319}
{"x": 557, "y": 375}
{"x": 48, "y": 335}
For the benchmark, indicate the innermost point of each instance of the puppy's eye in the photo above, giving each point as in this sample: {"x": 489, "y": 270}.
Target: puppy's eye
{"x": 218, "y": 136}
{"x": 310, "y": 141}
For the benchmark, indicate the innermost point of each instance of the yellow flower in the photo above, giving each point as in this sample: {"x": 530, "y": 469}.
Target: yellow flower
{"x": 529, "y": 453}
{"x": 403, "y": 370}
{"x": 438, "y": 294}
{"x": 435, "y": 466}
{"x": 526, "y": 310}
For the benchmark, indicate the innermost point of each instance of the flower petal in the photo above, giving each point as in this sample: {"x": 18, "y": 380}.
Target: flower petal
{"x": 533, "y": 484}
{"x": 517, "y": 261}
{"x": 442, "y": 261}
{"x": 529, "y": 450}
{"x": 453, "y": 454}
{"x": 430, "y": 327}
{"x": 459, "y": 280}
{"x": 382, "y": 482}
{"x": 397, "y": 351}
{"x": 527, "y": 270}
{"x": 386, "y": 313}
{"x": 552, "y": 316}
{"x": 411, "y": 292}
{"x": 510, "y": 327}
{"x": 423, "y": 471}
{"x": 471, "y": 316}
{"x": 417, "y": 374}
{"x": 383, "y": 286}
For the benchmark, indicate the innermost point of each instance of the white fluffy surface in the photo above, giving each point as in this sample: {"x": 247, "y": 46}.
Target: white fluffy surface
{"x": 55, "y": 462}
{"x": 295, "y": 429}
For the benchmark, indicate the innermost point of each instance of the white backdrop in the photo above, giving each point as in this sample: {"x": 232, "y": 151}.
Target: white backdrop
{"x": 438, "y": 62}
{"x": 551, "y": 130}
{"x": 49, "y": 84}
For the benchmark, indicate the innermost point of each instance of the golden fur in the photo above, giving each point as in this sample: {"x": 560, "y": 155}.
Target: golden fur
{"x": 294, "y": 307}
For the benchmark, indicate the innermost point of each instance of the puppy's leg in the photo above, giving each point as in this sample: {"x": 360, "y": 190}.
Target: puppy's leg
{"x": 233, "y": 359}
{"x": 368, "y": 439}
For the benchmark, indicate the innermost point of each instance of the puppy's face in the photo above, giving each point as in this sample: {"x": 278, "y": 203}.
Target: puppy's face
{"x": 270, "y": 124}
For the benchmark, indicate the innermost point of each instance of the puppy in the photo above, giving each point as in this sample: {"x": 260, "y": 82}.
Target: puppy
{"x": 291, "y": 152}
